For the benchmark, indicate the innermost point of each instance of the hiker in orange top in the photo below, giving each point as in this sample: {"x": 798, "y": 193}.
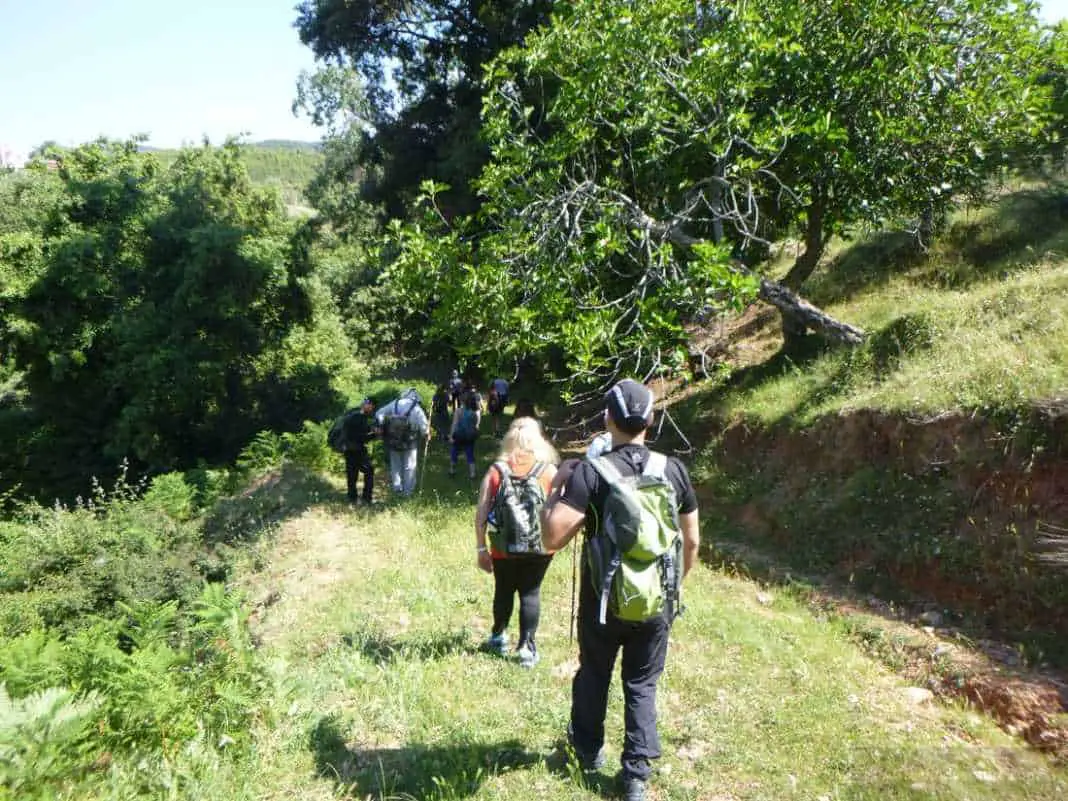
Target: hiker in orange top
{"x": 508, "y": 532}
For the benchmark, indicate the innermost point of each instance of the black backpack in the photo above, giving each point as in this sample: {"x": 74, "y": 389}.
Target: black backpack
{"x": 516, "y": 512}
{"x": 335, "y": 438}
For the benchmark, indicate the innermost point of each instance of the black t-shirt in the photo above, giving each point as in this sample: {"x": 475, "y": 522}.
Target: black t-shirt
{"x": 586, "y": 488}
{"x": 359, "y": 429}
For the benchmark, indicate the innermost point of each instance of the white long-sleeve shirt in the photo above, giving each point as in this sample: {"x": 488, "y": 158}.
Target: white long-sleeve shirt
{"x": 417, "y": 419}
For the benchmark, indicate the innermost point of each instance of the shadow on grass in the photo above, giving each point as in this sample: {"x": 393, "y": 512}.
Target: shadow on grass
{"x": 384, "y": 650}
{"x": 277, "y": 496}
{"x": 1025, "y": 226}
{"x": 1022, "y": 229}
{"x": 415, "y": 770}
{"x": 871, "y": 262}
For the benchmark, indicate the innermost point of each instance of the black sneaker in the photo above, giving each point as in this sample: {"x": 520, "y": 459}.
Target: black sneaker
{"x": 588, "y": 762}
{"x": 633, "y": 790}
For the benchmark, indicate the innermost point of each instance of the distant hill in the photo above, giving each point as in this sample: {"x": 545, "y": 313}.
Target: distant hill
{"x": 269, "y": 144}
{"x": 288, "y": 164}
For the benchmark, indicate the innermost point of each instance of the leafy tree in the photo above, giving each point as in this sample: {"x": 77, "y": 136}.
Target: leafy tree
{"x": 160, "y": 320}
{"x": 417, "y": 101}
{"x": 636, "y": 147}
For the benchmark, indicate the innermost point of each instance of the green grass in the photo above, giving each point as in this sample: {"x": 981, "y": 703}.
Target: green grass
{"x": 979, "y": 322}
{"x": 382, "y": 691}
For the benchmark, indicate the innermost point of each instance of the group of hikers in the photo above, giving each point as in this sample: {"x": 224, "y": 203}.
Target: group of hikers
{"x": 637, "y": 509}
{"x": 457, "y": 409}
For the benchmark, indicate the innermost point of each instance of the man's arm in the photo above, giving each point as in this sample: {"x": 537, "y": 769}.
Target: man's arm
{"x": 559, "y": 523}
{"x": 691, "y": 540}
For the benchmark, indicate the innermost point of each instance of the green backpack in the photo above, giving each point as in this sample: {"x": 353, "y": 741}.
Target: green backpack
{"x": 635, "y": 558}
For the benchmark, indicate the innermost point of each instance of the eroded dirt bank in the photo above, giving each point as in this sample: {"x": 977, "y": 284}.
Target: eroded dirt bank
{"x": 961, "y": 517}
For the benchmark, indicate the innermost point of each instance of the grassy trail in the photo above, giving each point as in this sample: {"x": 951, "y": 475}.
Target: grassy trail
{"x": 373, "y": 638}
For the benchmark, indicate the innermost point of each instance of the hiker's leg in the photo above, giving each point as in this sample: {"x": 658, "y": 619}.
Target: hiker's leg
{"x": 643, "y": 662}
{"x": 409, "y": 469}
{"x": 367, "y": 467}
{"x": 598, "y": 645}
{"x": 504, "y": 580}
{"x": 469, "y": 454}
{"x": 454, "y": 454}
{"x": 352, "y": 464}
{"x": 396, "y": 466}
{"x": 528, "y": 583}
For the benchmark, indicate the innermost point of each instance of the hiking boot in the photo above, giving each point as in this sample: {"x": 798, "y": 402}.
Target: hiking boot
{"x": 633, "y": 790}
{"x": 498, "y": 643}
{"x": 528, "y": 655}
{"x": 588, "y": 762}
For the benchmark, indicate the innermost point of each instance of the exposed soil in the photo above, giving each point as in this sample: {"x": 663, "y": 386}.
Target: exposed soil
{"x": 1010, "y": 484}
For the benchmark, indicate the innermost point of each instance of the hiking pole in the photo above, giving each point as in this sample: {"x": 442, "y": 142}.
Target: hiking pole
{"x": 422, "y": 469}
{"x": 574, "y": 575}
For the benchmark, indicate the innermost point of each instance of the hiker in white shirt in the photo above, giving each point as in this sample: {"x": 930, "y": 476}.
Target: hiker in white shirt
{"x": 404, "y": 427}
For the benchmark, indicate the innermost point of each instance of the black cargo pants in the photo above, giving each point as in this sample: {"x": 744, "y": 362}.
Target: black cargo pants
{"x": 644, "y": 647}
{"x": 358, "y": 461}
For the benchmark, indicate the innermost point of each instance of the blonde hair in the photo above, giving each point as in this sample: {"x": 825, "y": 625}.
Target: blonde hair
{"x": 524, "y": 435}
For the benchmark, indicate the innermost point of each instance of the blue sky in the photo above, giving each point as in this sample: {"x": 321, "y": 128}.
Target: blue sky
{"x": 72, "y": 70}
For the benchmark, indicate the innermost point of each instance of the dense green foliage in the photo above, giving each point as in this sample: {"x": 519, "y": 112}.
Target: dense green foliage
{"x": 161, "y": 315}
{"x": 415, "y": 107}
{"x": 287, "y": 166}
{"x": 621, "y": 136}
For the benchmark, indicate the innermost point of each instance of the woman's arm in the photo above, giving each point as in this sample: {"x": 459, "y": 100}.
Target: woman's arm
{"x": 485, "y": 501}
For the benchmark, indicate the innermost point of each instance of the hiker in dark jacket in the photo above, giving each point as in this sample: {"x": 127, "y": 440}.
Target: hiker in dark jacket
{"x": 439, "y": 411}
{"x": 359, "y": 429}
{"x": 581, "y": 502}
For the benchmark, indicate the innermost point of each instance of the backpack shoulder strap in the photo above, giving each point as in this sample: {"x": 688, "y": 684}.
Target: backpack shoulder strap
{"x": 656, "y": 467}
{"x": 608, "y": 471}
{"x": 536, "y": 470}
{"x": 503, "y": 469}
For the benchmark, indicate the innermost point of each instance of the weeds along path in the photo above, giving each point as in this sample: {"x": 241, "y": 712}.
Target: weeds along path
{"x": 372, "y": 629}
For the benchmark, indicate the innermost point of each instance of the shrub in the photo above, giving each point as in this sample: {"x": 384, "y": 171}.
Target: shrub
{"x": 171, "y": 494}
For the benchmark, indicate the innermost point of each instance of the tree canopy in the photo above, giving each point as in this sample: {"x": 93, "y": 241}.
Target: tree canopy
{"x": 644, "y": 155}
{"x": 420, "y": 67}
{"x": 154, "y": 315}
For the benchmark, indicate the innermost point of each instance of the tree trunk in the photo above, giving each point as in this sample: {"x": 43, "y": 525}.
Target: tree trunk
{"x": 805, "y": 264}
{"x": 794, "y": 325}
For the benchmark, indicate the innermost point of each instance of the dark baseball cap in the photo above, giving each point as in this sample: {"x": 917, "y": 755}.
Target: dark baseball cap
{"x": 630, "y": 405}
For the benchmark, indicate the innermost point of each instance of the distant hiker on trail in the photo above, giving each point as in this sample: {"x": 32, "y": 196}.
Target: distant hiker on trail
{"x": 359, "y": 430}
{"x": 510, "y": 501}
{"x": 471, "y": 397}
{"x": 456, "y": 389}
{"x": 524, "y": 407}
{"x": 404, "y": 426}
{"x": 349, "y": 436}
{"x": 501, "y": 386}
{"x": 495, "y": 404}
{"x": 640, "y": 541}
{"x": 464, "y": 433}
{"x": 439, "y": 410}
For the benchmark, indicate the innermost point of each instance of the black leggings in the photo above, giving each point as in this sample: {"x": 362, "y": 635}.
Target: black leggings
{"x": 523, "y": 575}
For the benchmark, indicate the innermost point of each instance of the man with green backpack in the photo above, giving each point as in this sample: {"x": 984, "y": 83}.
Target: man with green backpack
{"x": 639, "y": 512}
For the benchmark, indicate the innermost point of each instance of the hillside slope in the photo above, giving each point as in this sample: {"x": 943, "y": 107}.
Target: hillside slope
{"x": 929, "y": 466}
{"x": 372, "y": 620}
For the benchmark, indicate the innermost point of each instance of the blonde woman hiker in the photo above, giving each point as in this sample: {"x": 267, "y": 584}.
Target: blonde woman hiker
{"x": 508, "y": 533}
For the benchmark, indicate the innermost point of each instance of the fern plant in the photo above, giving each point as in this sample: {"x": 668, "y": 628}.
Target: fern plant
{"x": 44, "y": 737}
